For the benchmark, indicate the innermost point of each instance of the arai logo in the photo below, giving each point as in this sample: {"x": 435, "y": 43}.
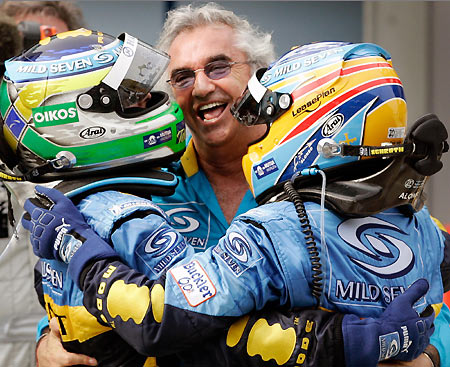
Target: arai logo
{"x": 93, "y": 132}
{"x": 332, "y": 125}
{"x": 59, "y": 114}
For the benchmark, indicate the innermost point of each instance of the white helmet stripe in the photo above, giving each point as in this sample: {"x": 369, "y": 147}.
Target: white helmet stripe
{"x": 256, "y": 88}
{"x": 120, "y": 68}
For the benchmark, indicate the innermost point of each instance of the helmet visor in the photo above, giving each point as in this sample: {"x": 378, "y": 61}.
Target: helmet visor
{"x": 258, "y": 104}
{"x": 247, "y": 109}
{"x": 136, "y": 71}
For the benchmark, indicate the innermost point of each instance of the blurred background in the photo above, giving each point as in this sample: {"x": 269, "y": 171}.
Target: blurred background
{"x": 416, "y": 34}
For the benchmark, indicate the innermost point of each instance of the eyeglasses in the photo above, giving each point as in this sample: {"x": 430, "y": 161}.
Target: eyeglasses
{"x": 214, "y": 70}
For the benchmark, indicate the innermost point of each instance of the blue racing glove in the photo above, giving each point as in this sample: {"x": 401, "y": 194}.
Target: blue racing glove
{"x": 59, "y": 231}
{"x": 399, "y": 333}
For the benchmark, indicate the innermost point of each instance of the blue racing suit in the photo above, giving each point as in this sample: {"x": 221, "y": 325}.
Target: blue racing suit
{"x": 82, "y": 333}
{"x": 197, "y": 215}
{"x": 262, "y": 260}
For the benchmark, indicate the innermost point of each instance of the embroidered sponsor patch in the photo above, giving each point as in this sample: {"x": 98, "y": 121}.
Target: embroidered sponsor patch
{"x": 128, "y": 206}
{"x": 51, "y": 278}
{"x": 161, "y": 249}
{"x": 193, "y": 282}
{"x": 237, "y": 253}
{"x": 157, "y": 138}
{"x": 265, "y": 168}
{"x": 389, "y": 345}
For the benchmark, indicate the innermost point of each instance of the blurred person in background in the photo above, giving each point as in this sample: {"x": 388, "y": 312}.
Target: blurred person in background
{"x": 11, "y": 43}
{"x": 22, "y": 24}
{"x": 56, "y": 16}
{"x": 11, "y": 40}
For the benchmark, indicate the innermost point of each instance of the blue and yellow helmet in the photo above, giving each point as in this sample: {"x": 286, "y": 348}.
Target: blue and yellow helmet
{"x": 82, "y": 102}
{"x": 316, "y": 99}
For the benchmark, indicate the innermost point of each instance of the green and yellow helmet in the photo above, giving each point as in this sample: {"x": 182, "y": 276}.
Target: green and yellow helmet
{"x": 82, "y": 102}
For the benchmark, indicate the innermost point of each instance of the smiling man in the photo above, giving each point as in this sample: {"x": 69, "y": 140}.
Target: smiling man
{"x": 208, "y": 73}
{"x": 213, "y": 54}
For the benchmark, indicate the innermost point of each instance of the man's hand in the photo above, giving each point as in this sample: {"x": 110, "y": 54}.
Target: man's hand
{"x": 51, "y": 353}
{"x": 420, "y": 361}
{"x": 59, "y": 231}
{"x": 46, "y": 219}
{"x": 399, "y": 333}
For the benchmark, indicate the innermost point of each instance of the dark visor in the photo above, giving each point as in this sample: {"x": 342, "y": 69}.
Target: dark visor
{"x": 258, "y": 104}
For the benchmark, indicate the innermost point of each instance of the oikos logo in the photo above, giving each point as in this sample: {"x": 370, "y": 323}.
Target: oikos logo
{"x": 332, "y": 125}
{"x": 93, "y": 132}
{"x": 55, "y": 115}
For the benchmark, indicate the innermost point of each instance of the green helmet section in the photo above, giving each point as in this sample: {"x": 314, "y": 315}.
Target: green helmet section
{"x": 82, "y": 102}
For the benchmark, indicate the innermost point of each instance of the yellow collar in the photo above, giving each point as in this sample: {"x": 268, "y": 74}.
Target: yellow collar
{"x": 189, "y": 160}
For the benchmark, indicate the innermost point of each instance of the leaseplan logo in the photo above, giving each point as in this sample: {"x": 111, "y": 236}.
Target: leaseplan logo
{"x": 58, "y": 114}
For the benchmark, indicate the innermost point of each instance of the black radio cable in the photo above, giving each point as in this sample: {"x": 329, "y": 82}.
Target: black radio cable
{"x": 311, "y": 246}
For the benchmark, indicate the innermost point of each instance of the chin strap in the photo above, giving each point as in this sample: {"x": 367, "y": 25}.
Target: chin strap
{"x": 396, "y": 179}
{"x": 63, "y": 160}
{"x": 9, "y": 177}
{"x": 424, "y": 144}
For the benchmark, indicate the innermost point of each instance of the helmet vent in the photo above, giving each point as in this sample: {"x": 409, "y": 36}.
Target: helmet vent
{"x": 85, "y": 101}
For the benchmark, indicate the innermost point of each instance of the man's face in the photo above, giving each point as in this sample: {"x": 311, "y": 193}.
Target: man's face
{"x": 206, "y": 104}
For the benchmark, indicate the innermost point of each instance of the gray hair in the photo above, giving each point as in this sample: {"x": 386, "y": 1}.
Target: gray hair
{"x": 257, "y": 45}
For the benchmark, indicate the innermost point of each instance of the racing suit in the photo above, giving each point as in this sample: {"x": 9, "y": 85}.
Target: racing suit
{"x": 197, "y": 215}
{"x": 61, "y": 298}
{"x": 82, "y": 333}
{"x": 262, "y": 260}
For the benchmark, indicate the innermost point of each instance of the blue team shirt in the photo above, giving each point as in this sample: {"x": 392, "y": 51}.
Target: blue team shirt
{"x": 194, "y": 210}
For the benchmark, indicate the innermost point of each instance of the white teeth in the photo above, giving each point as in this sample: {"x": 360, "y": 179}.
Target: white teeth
{"x": 210, "y": 105}
{"x": 210, "y": 120}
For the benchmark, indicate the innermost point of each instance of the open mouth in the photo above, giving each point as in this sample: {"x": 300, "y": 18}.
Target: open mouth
{"x": 211, "y": 111}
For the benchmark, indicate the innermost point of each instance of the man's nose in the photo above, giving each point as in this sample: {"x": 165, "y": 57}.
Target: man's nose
{"x": 202, "y": 85}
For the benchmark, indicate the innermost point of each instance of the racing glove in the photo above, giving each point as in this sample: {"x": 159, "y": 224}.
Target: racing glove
{"x": 399, "y": 333}
{"x": 59, "y": 231}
